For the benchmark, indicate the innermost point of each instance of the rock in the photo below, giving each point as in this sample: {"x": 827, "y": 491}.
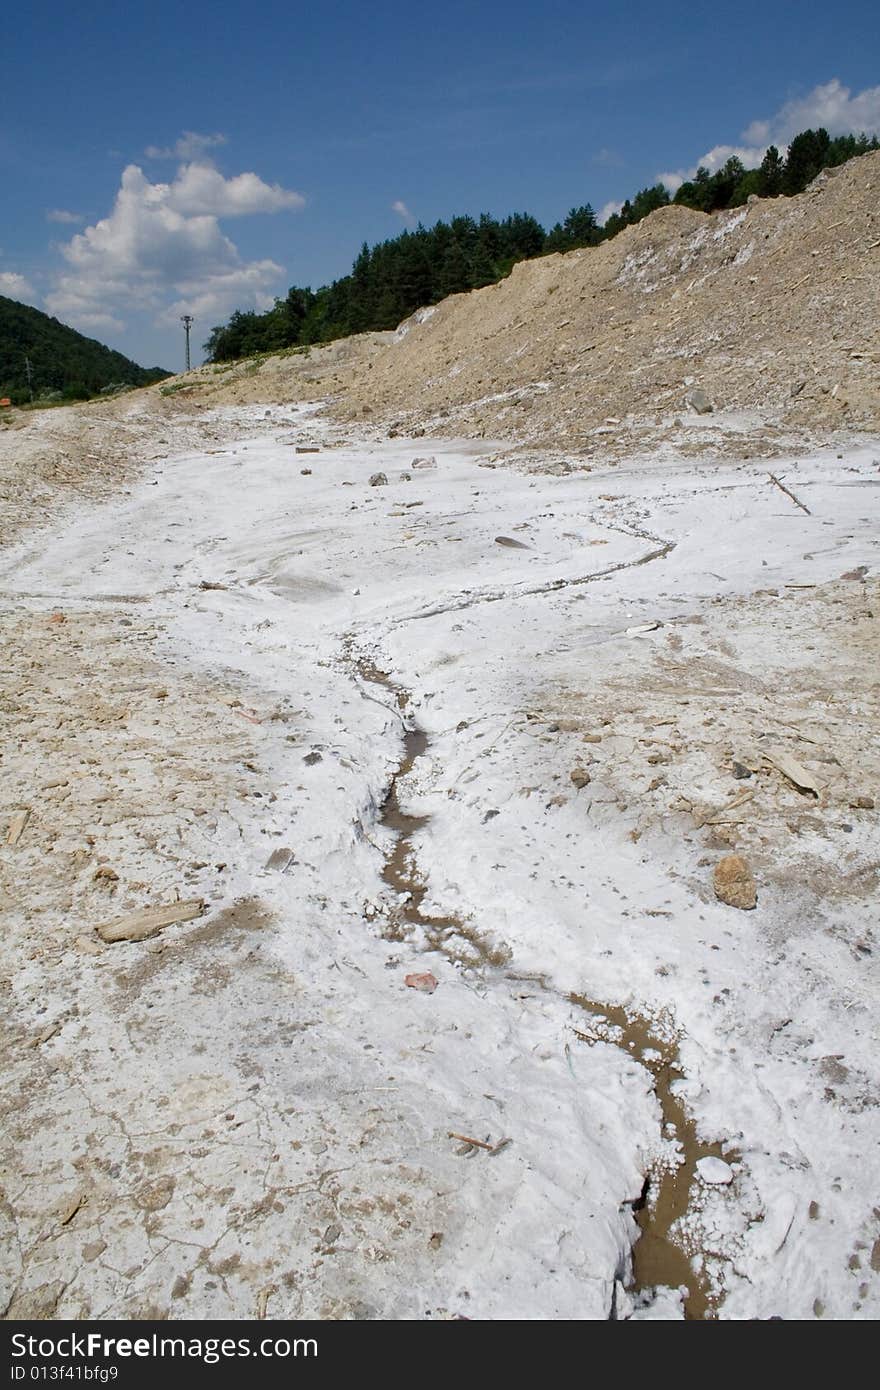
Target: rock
{"x": 734, "y": 884}
{"x": 740, "y": 770}
{"x": 715, "y": 1172}
{"x": 35, "y": 1305}
{"x": 378, "y": 480}
{"x": 426, "y": 982}
{"x": 406, "y": 477}
{"x": 699, "y": 401}
{"x": 862, "y": 803}
{"x": 580, "y": 777}
{"x": 424, "y": 462}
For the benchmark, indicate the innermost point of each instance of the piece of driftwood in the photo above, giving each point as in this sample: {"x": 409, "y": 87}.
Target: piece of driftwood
{"x": 148, "y": 921}
{"x": 788, "y": 492}
{"x": 794, "y": 771}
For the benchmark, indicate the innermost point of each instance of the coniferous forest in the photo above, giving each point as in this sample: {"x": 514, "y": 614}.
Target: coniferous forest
{"x": 391, "y": 280}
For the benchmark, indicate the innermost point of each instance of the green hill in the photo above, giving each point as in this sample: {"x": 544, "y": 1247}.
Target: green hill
{"x": 64, "y": 364}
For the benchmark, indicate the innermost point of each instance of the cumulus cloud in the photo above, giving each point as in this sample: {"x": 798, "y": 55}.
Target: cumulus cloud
{"x": 830, "y": 105}
{"x": 15, "y": 286}
{"x": 713, "y": 160}
{"x": 191, "y": 145}
{"x": 161, "y": 251}
{"x": 62, "y": 215}
{"x": 201, "y": 190}
{"x": 403, "y": 211}
{"x": 607, "y": 211}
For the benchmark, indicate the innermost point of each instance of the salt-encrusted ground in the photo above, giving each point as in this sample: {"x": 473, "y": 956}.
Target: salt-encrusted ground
{"x": 250, "y": 1114}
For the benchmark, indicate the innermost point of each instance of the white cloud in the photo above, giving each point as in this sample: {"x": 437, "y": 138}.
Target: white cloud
{"x": 200, "y": 190}
{"x": 191, "y": 145}
{"x": 713, "y": 160}
{"x": 161, "y": 251}
{"x": 830, "y": 105}
{"x": 607, "y": 211}
{"x": 62, "y": 215}
{"x": 403, "y": 211}
{"x": 673, "y": 179}
{"x": 15, "y": 286}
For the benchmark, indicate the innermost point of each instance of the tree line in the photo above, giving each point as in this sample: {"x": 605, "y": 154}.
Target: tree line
{"x": 389, "y": 281}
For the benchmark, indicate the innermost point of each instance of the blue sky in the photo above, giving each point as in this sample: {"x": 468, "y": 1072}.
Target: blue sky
{"x": 162, "y": 158}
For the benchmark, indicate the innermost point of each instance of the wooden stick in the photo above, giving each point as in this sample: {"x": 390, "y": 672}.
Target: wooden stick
{"x": 466, "y": 1139}
{"x": 796, "y": 500}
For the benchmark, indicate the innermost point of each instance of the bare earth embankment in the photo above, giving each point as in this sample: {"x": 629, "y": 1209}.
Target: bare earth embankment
{"x": 437, "y": 1013}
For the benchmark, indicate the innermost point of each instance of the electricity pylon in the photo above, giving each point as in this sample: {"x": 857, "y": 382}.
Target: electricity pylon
{"x": 187, "y": 320}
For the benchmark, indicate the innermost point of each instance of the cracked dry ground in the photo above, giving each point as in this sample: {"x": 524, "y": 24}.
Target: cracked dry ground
{"x": 144, "y": 1172}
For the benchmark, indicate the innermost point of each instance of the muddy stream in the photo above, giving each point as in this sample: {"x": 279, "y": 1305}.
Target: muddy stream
{"x": 659, "y": 1257}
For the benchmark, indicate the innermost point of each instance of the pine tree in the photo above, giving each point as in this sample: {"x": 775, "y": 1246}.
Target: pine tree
{"x": 771, "y": 173}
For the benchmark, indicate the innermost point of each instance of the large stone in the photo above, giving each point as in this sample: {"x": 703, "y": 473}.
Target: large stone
{"x": 734, "y": 884}
{"x": 699, "y": 401}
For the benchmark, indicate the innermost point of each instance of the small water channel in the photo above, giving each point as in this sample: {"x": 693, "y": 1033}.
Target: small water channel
{"x": 658, "y": 1256}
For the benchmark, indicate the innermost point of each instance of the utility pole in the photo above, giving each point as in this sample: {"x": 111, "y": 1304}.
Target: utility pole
{"x": 187, "y": 320}
{"x": 29, "y": 371}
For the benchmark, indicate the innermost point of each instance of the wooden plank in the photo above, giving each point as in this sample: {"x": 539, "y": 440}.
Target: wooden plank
{"x": 148, "y": 921}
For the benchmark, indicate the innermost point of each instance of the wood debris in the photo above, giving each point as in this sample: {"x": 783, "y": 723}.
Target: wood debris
{"x": 794, "y": 771}
{"x": 148, "y": 921}
{"x": 471, "y": 1143}
{"x": 72, "y": 1208}
{"x": 713, "y": 817}
{"x": 796, "y": 500}
{"x": 16, "y": 826}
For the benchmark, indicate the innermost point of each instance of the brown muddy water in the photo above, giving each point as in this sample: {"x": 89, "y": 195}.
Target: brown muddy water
{"x": 659, "y": 1257}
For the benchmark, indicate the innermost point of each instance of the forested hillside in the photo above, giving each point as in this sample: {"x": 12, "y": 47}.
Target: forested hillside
{"x": 64, "y": 364}
{"x": 392, "y": 279}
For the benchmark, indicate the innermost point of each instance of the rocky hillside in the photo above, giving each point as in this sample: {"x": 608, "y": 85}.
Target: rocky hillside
{"x": 767, "y": 313}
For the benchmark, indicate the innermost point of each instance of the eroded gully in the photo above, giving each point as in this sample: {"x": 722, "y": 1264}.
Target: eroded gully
{"x": 659, "y": 1255}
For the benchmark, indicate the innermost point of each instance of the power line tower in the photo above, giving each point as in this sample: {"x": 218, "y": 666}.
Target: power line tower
{"x": 187, "y": 321}
{"x": 29, "y": 372}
